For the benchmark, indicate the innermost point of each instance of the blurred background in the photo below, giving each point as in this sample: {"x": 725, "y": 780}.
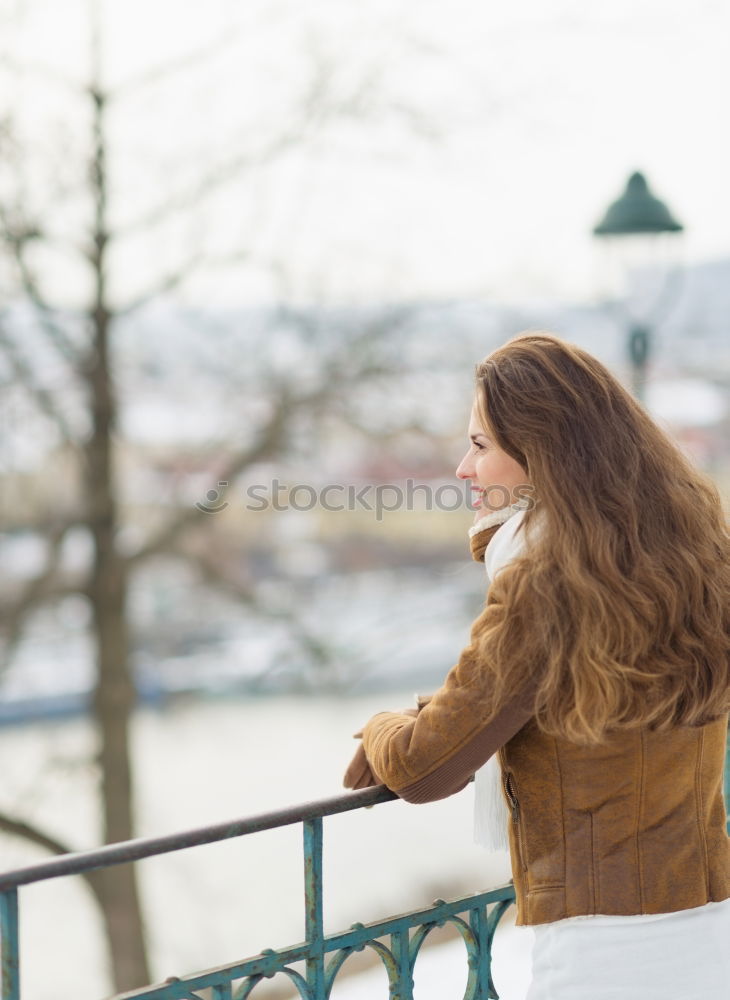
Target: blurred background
{"x": 247, "y": 252}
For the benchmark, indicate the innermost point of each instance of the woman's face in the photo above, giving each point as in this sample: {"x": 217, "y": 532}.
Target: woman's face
{"x": 495, "y": 475}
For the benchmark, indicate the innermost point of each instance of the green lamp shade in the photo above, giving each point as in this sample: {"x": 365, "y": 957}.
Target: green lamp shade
{"x": 637, "y": 211}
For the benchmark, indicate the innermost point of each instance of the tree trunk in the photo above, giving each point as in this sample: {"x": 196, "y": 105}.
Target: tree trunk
{"x": 113, "y": 705}
{"x": 114, "y": 695}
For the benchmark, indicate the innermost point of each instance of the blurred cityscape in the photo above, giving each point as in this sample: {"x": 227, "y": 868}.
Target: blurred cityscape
{"x": 335, "y": 590}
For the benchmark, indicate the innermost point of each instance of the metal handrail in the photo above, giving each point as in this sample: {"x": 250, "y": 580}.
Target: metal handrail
{"x": 148, "y": 847}
{"x": 475, "y": 917}
{"x": 471, "y": 915}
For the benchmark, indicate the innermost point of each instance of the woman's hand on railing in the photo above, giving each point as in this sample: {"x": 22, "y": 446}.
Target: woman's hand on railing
{"x": 359, "y": 774}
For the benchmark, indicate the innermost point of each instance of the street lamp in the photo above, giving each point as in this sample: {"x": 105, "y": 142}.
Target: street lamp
{"x": 638, "y": 217}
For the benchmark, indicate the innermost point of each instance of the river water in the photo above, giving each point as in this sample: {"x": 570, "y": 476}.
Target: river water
{"x": 202, "y": 761}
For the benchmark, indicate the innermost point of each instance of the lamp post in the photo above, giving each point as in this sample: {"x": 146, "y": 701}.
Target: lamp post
{"x": 637, "y": 213}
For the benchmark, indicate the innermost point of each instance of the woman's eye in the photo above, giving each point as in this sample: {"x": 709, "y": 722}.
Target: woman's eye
{"x": 479, "y": 447}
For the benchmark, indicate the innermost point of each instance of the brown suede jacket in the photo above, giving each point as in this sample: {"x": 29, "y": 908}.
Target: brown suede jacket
{"x": 635, "y": 825}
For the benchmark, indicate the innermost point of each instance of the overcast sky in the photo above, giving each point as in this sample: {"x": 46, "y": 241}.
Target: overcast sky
{"x": 538, "y": 109}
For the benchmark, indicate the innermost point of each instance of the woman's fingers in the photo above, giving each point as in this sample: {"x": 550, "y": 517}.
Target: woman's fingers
{"x": 358, "y": 770}
{"x": 358, "y": 773}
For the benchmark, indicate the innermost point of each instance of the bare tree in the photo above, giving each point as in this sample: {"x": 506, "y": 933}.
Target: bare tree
{"x": 82, "y": 342}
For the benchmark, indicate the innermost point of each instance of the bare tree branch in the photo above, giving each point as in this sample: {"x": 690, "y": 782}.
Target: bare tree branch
{"x": 34, "y": 834}
{"x": 42, "y": 588}
{"x": 176, "y": 278}
{"x": 268, "y": 441}
{"x": 316, "y": 108}
{"x": 18, "y": 234}
{"x": 421, "y": 123}
{"x": 23, "y": 371}
{"x": 180, "y": 64}
{"x": 42, "y": 71}
{"x": 19, "y": 828}
{"x": 338, "y": 373}
{"x": 219, "y": 176}
{"x": 212, "y": 573}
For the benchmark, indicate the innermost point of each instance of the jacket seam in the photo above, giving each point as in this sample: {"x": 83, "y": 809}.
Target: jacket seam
{"x": 593, "y": 887}
{"x": 639, "y": 818}
{"x": 700, "y": 809}
{"x": 562, "y": 807}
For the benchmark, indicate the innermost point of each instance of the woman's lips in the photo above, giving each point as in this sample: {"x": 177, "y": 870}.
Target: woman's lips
{"x": 477, "y": 501}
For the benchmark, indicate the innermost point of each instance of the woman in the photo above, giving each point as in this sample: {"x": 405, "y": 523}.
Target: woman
{"x": 598, "y": 672}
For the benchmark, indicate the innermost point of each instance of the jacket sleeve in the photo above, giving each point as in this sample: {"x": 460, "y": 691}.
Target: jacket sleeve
{"x": 435, "y": 754}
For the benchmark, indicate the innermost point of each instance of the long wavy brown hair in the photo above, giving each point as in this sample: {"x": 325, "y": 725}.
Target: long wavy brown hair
{"x": 619, "y": 613}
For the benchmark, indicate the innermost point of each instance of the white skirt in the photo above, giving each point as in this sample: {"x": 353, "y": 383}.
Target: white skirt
{"x": 647, "y": 957}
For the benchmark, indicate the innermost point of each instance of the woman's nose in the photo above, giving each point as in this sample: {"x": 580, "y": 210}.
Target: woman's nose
{"x": 463, "y": 470}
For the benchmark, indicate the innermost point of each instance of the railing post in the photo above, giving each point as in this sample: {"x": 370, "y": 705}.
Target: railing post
{"x": 9, "y": 944}
{"x": 480, "y": 926}
{"x": 400, "y": 943}
{"x": 314, "y": 921}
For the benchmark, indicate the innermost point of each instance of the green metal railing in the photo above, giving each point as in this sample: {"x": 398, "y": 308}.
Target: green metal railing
{"x": 396, "y": 941}
{"x": 475, "y": 917}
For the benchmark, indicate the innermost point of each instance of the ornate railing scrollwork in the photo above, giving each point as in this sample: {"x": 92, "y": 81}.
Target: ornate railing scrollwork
{"x": 475, "y": 917}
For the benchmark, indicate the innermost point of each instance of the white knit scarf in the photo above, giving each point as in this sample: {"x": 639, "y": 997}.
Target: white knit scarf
{"x": 491, "y": 816}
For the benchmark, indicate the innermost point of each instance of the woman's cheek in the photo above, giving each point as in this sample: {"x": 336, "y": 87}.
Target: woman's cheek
{"x": 483, "y": 472}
